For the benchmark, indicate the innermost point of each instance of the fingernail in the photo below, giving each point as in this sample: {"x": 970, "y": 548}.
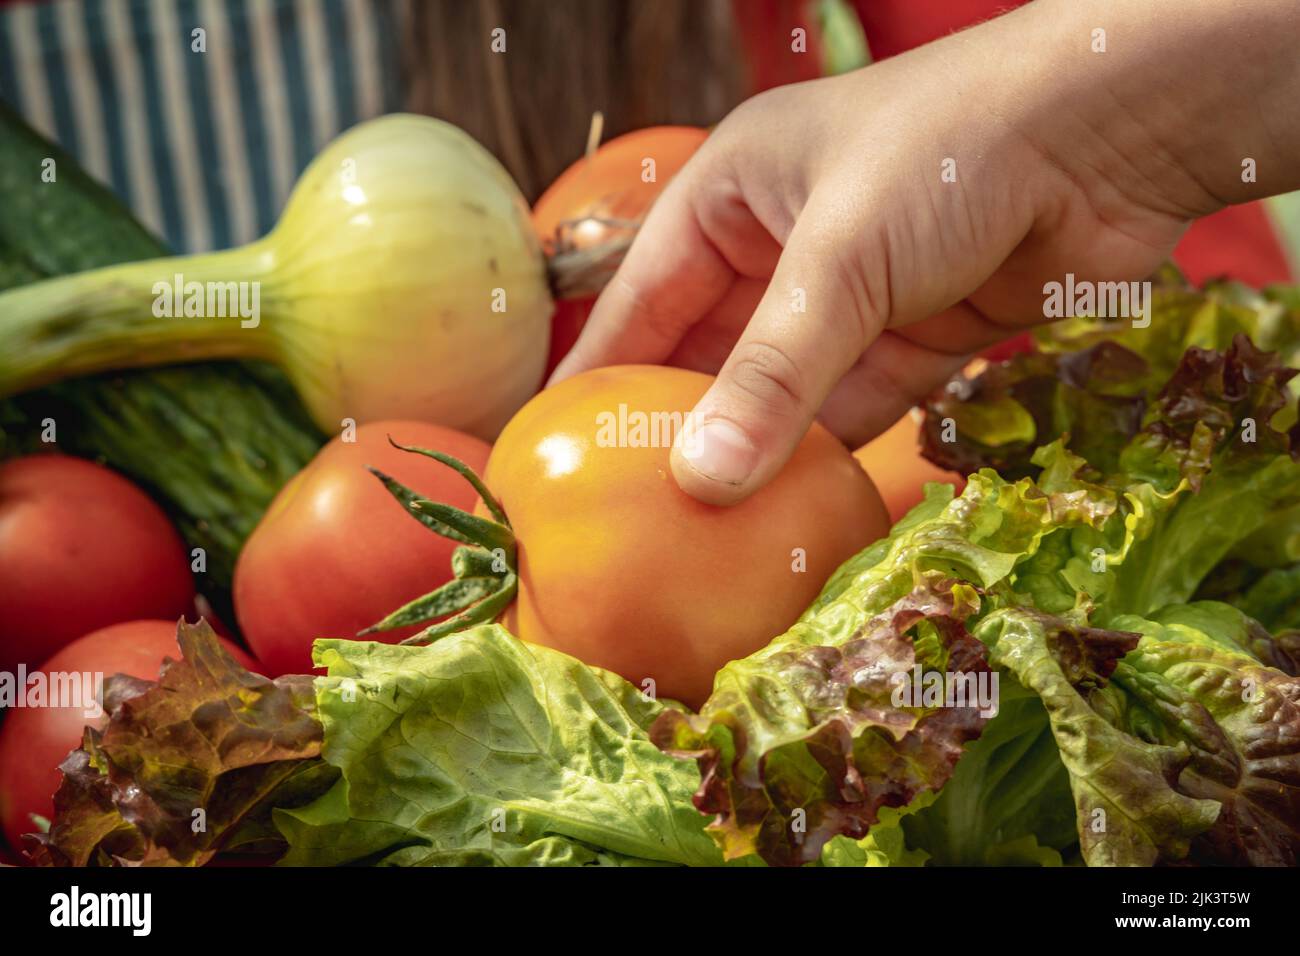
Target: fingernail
{"x": 720, "y": 451}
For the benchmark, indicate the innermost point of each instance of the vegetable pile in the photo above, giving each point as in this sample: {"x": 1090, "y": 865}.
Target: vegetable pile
{"x": 1080, "y": 644}
{"x": 213, "y": 442}
{"x": 1138, "y": 720}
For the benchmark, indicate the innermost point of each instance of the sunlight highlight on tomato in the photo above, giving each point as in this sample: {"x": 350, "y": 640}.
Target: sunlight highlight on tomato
{"x": 622, "y": 569}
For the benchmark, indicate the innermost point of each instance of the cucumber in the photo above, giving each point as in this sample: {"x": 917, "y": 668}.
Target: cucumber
{"x": 212, "y": 443}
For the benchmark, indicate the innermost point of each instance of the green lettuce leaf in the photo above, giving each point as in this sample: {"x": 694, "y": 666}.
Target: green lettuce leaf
{"x": 1128, "y": 809}
{"x": 1223, "y": 625}
{"x": 483, "y": 750}
{"x": 1180, "y": 745}
{"x": 1193, "y": 684}
{"x": 1128, "y": 453}
{"x": 1093, "y": 381}
{"x": 1009, "y": 800}
{"x": 1273, "y": 599}
{"x": 885, "y": 845}
{"x": 858, "y": 752}
{"x": 1200, "y": 484}
{"x": 1001, "y": 416}
{"x": 1207, "y": 440}
{"x": 1206, "y": 448}
{"x": 802, "y": 741}
{"x": 1275, "y": 545}
{"x": 1183, "y": 317}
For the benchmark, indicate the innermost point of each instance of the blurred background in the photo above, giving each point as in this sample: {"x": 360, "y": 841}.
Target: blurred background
{"x": 201, "y": 113}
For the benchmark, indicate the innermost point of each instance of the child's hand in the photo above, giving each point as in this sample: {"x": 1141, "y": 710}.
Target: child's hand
{"x": 841, "y": 247}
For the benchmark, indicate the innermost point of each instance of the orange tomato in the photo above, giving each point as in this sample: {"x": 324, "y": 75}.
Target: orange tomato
{"x": 894, "y": 462}
{"x": 611, "y": 184}
{"x": 608, "y": 185}
{"x": 621, "y": 568}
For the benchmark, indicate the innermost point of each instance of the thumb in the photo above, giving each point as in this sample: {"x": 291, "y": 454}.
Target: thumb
{"x": 810, "y": 327}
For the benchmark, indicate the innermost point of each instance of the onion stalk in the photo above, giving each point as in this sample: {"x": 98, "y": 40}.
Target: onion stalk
{"x": 402, "y": 280}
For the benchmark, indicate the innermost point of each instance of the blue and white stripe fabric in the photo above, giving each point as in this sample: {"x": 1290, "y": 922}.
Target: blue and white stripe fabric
{"x": 201, "y": 134}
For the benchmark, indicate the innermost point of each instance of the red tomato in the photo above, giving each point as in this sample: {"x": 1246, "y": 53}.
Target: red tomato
{"x": 622, "y": 569}
{"x": 335, "y": 552}
{"x": 80, "y": 548}
{"x": 34, "y": 740}
{"x": 895, "y": 464}
{"x": 609, "y": 185}
{"x": 567, "y": 322}
{"x": 1024, "y": 342}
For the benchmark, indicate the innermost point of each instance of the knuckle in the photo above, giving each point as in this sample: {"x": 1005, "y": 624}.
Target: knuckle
{"x": 648, "y": 311}
{"x": 862, "y": 322}
{"x": 749, "y": 122}
{"x": 754, "y": 107}
{"x": 857, "y": 250}
{"x": 860, "y": 265}
{"x": 768, "y": 376}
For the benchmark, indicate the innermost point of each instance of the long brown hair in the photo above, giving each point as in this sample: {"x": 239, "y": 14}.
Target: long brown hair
{"x": 640, "y": 62}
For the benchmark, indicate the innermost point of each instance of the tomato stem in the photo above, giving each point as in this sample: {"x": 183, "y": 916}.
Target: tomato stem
{"x": 451, "y": 598}
{"x": 580, "y": 273}
{"x": 465, "y": 471}
{"x": 595, "y": 132}
{"x": 484, "y": 612}
{"x": 485, "y": 566}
